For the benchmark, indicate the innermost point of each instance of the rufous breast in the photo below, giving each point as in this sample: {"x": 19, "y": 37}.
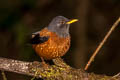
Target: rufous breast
{"x": 54, "y": 47}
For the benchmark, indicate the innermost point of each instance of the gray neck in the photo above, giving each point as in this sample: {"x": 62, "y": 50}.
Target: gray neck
{"x": 62, "y": 32}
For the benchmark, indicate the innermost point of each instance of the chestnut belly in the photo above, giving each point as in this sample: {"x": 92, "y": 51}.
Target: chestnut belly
{"x": 51, "y": 51}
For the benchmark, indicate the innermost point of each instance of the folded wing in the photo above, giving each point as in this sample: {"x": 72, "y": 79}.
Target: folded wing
{"x": 37, "y": 39}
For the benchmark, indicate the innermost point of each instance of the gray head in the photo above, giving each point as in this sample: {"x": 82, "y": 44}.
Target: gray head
{"x": 60, "y": 26}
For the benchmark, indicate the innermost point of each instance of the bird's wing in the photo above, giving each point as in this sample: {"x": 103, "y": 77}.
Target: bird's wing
{"x": 37, "y": 39}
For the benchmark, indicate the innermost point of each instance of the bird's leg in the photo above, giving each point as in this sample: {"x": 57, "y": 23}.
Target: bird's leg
{"x": 44, "y": 63}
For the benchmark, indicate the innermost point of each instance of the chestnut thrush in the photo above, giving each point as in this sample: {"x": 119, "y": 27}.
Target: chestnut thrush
{"x": 53, "y": 41}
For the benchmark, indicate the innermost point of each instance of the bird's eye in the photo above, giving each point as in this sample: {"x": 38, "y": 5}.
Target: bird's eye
{"x": 62, "y": 22}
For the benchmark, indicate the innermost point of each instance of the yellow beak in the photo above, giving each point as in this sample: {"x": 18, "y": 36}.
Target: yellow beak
{"x": 72, "y": 21}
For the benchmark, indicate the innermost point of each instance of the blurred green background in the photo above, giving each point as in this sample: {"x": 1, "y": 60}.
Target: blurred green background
{"x": 20, "y": 18}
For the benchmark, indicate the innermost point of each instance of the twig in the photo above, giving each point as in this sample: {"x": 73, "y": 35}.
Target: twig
{"x": 102, "y": 42}
{"x": 4, "y": 76}
{"x": 117, "y": 75}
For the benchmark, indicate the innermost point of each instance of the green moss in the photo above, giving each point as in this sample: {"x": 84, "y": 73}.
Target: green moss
{"x": 50, "y": 72}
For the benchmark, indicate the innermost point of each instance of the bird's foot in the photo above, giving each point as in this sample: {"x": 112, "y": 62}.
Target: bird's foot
{"x": 59, "y": 62}
{"x": 45, "y": 65}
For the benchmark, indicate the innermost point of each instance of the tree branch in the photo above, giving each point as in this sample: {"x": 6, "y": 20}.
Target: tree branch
{"x": 59, "y": 71}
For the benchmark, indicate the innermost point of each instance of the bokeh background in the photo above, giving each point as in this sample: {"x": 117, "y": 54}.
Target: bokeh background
{"x": 20, "y": 18}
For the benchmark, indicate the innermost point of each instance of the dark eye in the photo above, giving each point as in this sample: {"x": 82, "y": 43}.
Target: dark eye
{"x": 62, "y": 22}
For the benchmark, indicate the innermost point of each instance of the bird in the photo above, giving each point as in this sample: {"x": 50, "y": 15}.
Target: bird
{"x": 53, "y": 41}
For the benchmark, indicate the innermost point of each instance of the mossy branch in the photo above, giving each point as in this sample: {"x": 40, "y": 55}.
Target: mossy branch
{"x": 59, "y": 71}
